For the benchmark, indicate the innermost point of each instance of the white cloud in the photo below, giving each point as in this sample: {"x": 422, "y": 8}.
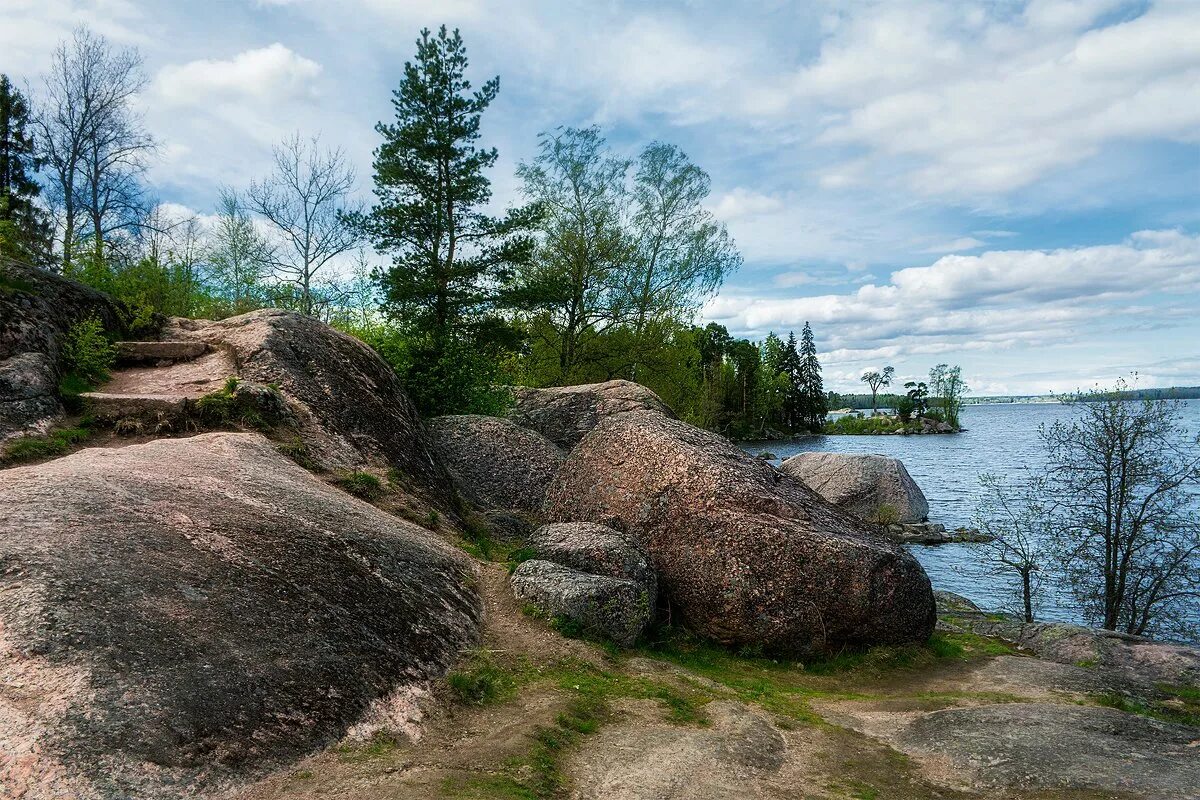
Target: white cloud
{"x": 741, "y": 203}
{"x": 999, "y": 299}
{"x": 273, "y": 74}
{"x": 953, "y": 246}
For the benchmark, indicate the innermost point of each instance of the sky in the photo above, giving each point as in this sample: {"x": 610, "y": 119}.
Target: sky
{"x": 1009, "y": 186}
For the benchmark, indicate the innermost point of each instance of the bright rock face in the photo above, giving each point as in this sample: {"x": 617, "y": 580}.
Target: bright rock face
{"x": 861, "y": 484}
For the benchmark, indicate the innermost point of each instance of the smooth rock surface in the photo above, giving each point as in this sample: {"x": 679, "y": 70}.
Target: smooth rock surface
{"x": 861, "y": 484}
{"x": 617, "y": 609}
{"x": 1051, "y": 746}
{"x": 565, "y": 414}
{"x": 178, "y": 615}
{"x": 743, "y": 554}
{"x": 496, "y": 464}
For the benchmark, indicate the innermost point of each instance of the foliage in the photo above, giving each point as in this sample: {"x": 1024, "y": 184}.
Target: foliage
{"x": 34, "y": 448}
{"x": 1122, "y": 475}
{"x": 877, "y": 380}
{"x": 448, "y": 257}
{"x": 87, "y": 353}
{"x": 1020, "y": 520}
{"x": 856, "y": 425}
{"x": 25, "y": 231}
{"x": 361, "y": 484}
{"x": 886, "y": 514}
{"x": 905, "y": 408}
{"x": 947, "y": 387}
{"x": 481, "y": 681}
{"x": 239, "y": 256}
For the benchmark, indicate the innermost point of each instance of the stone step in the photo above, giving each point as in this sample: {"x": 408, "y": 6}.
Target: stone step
{"x": 111, "y": 407}
{"x": 141, "y": 352}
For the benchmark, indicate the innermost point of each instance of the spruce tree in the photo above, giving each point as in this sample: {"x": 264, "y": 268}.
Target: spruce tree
{"x": 24, "y": 228}
{"x": 448, "y": 257}
{"x": 793, "y": 400}
{"x": 813, "y": 402}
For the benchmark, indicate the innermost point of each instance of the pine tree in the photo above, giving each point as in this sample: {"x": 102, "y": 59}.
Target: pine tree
{"x": 24, "y": 228}
{"x": 813, "y": 406}
{"x": 790, "y": 368}
{"x": 448, "y": 257}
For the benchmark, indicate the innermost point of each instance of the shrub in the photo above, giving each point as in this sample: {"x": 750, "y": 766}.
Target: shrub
{"x": 904, "y": 408}
{"x": 886, "y": 514}
{"x": 361, "y": 484}
{"x": 87, "y": 353}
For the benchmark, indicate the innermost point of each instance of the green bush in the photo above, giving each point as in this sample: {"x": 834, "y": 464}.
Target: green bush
{"x": 87, "y": 353}
{"x": 904, "y": 408}
{"x": 361, "y": 484}
{"x": 886, "y": 514}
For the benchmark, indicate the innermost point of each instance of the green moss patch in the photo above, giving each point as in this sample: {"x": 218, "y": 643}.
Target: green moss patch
{"x": 52, "y": 445}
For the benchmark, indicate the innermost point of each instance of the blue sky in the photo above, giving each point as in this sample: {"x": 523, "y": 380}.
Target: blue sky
{"x": 1010, "y": 186}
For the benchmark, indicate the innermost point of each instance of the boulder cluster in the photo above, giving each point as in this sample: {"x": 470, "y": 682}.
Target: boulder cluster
{"x": 180, "y": 614}
{"x": 743, "y": 554}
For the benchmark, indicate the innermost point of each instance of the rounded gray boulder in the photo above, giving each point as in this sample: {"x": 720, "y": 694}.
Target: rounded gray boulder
{"x": 861, "y": 484}
{"x": 611, "y": 608}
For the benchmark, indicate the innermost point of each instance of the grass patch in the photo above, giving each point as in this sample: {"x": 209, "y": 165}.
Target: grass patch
{"x": 11, "y": 283}
{"x": 481, "y": 681}
{"x": 35, "y": 448}
{"x": 363, "y": 485}
{"x": 382, "y": 743}
{"x": 1180, "y": 704}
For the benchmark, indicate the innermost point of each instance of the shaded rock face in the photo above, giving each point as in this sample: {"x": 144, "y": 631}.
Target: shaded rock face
{"x": 565, "y": 414}
{"x": 591, "y": 575}
{"x": 182, "y": 613}
{"x": 617, "y": 609}
{"x": 594, "y": 548}
{"x": 351, "y": 407}
{"x": 496, "y": 464}
{"x": 37, "y": 309}
{"x": 861, "y": 484}
{"x": 745, "y": 555}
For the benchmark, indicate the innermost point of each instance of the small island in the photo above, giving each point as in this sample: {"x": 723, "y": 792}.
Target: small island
{"x": 931, "y": 407}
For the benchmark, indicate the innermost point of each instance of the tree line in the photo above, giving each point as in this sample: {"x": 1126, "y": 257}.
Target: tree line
{"x": 597, "y": 274}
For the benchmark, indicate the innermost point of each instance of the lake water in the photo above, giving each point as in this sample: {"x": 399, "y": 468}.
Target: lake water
{"x": 1001, "y": 439}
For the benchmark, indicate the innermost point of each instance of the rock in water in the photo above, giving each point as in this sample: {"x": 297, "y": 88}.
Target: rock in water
{"x": 861, "y": 484}
{"x": 351, "y": 406}
{"x": 184, "y": 613}
{"x": 744, "y": 554}
{"x": 564, "y": 414}
{"x": 37, "y": 309}
{"x": 592, "y": 576}
{"x": 497, "y": 465}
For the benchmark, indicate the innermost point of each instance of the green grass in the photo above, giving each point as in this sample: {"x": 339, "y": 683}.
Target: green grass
{"x": 481, "y": 681}
{"x": 1181, "y": 704}
{"x": 363, "y": 485}
{"x": 382, "y": 743}
{"x": 34, "y": 448}
{"x": 590, "y": 692}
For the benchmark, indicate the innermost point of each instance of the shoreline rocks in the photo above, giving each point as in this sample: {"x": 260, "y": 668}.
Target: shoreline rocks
{"x": 934, "y": 533}
{"x": 744, "y": 555}
{"x": 865, "y": 485}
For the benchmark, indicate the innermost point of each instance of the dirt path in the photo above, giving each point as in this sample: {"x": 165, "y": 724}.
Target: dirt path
{"x": 696, "y": 723}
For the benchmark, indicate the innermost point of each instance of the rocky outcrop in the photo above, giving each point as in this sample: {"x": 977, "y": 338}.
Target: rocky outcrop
{"x": 589, "y": 575}
{"x": 1044, "y": 746}
{"x": 870, "y": 486}
{"x": 934, "y": 533}
{"x": 182, "y": 613}
{"x": 351, "y": 408}
{"x": 1134, "y": 659}
{"x": 496, "y": 464}
{"x": 37, "y": 309}
{"x": 565, "y": 414}
{"x": 744, "y": 554}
